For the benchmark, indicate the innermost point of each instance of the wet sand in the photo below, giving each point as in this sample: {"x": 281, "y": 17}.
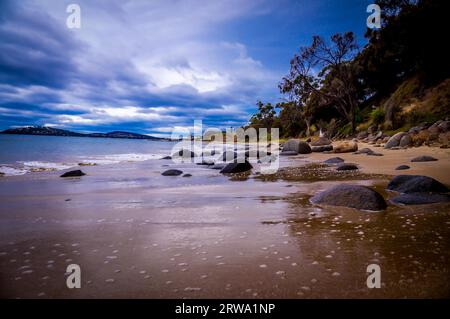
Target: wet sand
{"x": 137, "y": 234}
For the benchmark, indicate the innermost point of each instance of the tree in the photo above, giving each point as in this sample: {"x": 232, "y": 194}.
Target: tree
{"x": 265, "y": 116}
{"x": 323, "y": 73}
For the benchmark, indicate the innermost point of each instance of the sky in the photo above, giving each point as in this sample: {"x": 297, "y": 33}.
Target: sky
{"x": 151, "y": 66}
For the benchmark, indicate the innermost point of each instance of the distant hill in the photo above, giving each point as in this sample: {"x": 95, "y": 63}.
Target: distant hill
{"x": 50, "y": 131}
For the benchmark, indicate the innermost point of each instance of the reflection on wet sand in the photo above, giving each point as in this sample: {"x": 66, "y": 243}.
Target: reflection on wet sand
{"x": 248, "y": 236}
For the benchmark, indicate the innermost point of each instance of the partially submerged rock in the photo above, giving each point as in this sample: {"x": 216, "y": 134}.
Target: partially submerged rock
{"x": 172, "y": 172}
{"x": 167, "y": 158}
{"x": 75, "y": 173}
{"x": 232, "y": 168}
{"x": 424, "y": 158}
{"x": 416, "y": 184}
{"x": 402, "y": 167}
{"x": 354, "y": 196}
{"x": 187, "y": 175}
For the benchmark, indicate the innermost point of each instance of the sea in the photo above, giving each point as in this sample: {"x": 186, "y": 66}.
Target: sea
{"x": 21, "y": 154}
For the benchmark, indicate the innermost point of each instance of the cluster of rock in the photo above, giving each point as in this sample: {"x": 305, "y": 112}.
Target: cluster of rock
{"x": 410, "y": 190}
{"x": 437, "y": 134}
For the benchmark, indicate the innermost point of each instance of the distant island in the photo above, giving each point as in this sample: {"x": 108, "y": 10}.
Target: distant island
{"x": 50, "y": 131}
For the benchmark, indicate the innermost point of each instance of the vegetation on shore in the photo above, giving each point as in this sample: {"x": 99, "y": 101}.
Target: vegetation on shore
{"x": 398, "y": 80}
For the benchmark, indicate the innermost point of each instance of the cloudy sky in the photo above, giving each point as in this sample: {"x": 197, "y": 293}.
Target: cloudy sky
{"x": 151, "y": 66}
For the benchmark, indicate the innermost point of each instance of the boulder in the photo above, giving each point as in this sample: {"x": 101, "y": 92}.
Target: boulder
{"x": 187, "y": 175}
{"x": 405, "y": 141}
{"x": 346, "y": 147}
{"x": 374, "y": 154}
{"x": 424, "y": 158}
{"x": 416, "y": 184}
{"x": 323, "y": 148}
{"x": 347, "y": 167}
{"x": 420, "y": 198}
{"x": 75, "y": 173}
{"x": 362, "y": 135}
{"x": 444, "y": 126}
{"x": 334, "y": 160}
{"x": 321, "y": 141}
{"x": 172, "y": 172}
{"x": 355, "y": 196}
{"x": 236, "y": 168}
{"x": 296, "y": 145}
{"x": 394, "y": 140}
{"x": 402, "y": 167}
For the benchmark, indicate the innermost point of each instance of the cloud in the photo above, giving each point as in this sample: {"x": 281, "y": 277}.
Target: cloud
{"x": 140, "y": 62}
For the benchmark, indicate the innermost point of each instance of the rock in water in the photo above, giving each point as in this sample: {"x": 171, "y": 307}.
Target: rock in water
{"x": 394, "y": 140}
{"x": 323, "y": 148}
{"x": 402, "y": 167}
{"x": 347, "y": 167}
{"x": 420, "y": 198}
{"x": 167, "y": 158}
{"x": 424, "y": 158}
{"x": 76, "y": 173}
{"x": 346, "y": 147}
{"x": 322, "y": 141}
{"x": 295, "y": 145}
{"x": 187, "y": 175}
{"x": 236, "y": 168}
{"x": 334, "y": 160}
{"x": 172, "y": 172}
{"x": 416, "y": 184}
{"x": 355, "y": 196}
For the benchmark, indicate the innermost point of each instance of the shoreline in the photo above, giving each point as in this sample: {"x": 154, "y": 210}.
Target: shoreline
{"x": 137, "y": 234}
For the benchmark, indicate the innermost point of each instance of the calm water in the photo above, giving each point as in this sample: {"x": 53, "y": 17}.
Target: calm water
{"x": 20, "y": 154}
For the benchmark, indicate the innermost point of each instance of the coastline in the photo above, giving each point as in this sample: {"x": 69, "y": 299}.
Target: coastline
{"x": 138, "y": 234}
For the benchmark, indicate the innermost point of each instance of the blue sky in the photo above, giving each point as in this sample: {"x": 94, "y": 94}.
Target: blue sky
{"x": 152, "y": 66}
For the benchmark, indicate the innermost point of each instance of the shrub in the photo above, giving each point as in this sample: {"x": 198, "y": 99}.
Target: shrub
{"x": 377, "y": 116}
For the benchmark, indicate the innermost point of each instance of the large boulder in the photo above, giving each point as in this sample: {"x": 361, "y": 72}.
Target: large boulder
{"x": 394, "y": 140}
{"x": 322, "y": 148}
{"x": 75, "y": 173}
{"x": 172, "y": 172}
{"x": 346, "y": 147}
{"x": 424, "y": 158}
{"x": 236, "y": 168}
{"x": 416, "y": 184}
{"x": 444, "y": 126}
{"x": 420, "y": 198}
{"x": 355, "y": 196}
{"x": 296, "y": 145}
{"x": 321, "y": 142}
{"x": 405, "y": 141}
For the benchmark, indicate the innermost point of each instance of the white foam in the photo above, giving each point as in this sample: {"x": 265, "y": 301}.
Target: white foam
{"x": 46, "y": 166}
{"x": 11, "y": 171}
{"x": 120, "y": 158}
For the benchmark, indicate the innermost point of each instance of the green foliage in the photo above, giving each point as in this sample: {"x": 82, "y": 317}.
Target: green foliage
{"x": 377, "y": 116}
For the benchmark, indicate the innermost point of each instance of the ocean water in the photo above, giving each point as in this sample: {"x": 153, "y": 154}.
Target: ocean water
{"x": 20, "y": 154}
